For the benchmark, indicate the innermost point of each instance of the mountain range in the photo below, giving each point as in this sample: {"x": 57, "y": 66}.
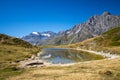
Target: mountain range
{"x": 38, "y": 38}
{"x": 94, "y": 26}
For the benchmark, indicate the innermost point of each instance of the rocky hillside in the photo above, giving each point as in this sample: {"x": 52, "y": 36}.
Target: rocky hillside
{"x": 95, "y": 25}
{"x": 108, "y": 41}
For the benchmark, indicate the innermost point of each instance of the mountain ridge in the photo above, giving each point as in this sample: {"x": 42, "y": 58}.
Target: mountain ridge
{"x": 94, "y": 26}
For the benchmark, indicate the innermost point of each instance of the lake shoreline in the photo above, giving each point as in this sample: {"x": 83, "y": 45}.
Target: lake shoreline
{"x": 40, "y": 63}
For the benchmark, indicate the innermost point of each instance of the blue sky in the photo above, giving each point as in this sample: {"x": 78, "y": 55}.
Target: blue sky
{"x": 21, "y": 17}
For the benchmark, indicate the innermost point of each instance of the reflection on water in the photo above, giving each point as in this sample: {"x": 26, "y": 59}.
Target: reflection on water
{"x": 63, "y": 56}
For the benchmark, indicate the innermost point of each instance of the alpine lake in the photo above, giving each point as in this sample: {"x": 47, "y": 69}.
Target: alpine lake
{"x": 66, "y": 56}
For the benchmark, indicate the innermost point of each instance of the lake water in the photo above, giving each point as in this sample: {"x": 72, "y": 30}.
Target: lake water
{"x": 64, "y": 56}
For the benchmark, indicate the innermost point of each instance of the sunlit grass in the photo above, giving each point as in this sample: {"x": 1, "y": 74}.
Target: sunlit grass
{"x": 9, "y": 58}
{"x": 95, "y": 70}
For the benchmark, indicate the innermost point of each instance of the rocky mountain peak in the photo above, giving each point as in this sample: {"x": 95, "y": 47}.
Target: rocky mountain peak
{"x": 106, "y": 13}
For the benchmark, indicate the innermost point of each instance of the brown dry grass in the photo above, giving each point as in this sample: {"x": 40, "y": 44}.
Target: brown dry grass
{"x": 95, "y": 70}
{"x": 10, "y": 56}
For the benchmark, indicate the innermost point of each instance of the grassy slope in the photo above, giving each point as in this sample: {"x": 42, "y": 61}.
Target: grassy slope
{"x": 109, "y": 42}
{"x": 95, "y": 70}
{"x": 13, "y": 50}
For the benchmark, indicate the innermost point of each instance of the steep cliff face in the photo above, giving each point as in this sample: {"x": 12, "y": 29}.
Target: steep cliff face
{"x": 95, "y": 25}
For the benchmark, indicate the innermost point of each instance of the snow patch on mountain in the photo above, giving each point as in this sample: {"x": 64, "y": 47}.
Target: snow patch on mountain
{"x": 36, "y": 33}
{"x": 48, "y": 35}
